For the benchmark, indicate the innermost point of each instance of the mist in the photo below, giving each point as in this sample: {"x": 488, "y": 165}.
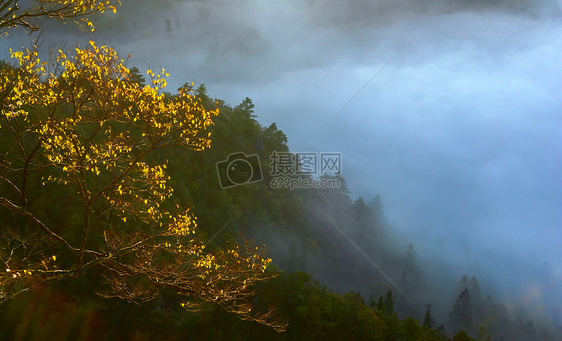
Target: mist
{"x": 460, "y": 133}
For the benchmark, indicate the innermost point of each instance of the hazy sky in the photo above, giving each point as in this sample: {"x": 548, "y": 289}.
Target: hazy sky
{"x": 460, "y": 134}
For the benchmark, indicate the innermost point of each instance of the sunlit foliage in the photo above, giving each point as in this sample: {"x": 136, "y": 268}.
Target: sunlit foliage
{"x": 77, "y": 131}
{"x": 26, "y": 14}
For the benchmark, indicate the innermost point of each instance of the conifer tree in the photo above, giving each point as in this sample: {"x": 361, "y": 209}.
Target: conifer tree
{"x": 389, "y": 303}
{"x": 427, "y": 321}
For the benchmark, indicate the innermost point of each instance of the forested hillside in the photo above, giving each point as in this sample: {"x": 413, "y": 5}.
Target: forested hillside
{"x": 115, "y": 225}
{"x": 301, "y": 229}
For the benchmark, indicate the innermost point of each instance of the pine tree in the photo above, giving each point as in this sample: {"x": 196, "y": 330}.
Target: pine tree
{"x": 461, "y": 316}
{"x": 389, "y": 303}
{"x": 372, "y": 302}
{"x": 427, "y": 321}
{"x": 463, "y": 284}
{"x": 475, "y": 289}
{"x": 442, "y": 329}
{"x": 380, "y": 305}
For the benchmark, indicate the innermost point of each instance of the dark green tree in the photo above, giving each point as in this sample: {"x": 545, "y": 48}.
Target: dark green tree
{"x": 463, "y": 284}
{"x": 462, "y": 336}
{"x": 475, "y": 291}
{"x": 380, "y": 305}
{"x": 246, "y": 106}
{"x": 410, "y": 329}
{"x": 461, "y": 316}
{"x": 372, "y": 302}
{"x": 389, "y": 303}
{"x": 428, "y": 320}
{"x": 136, "y": 76}
{"x": 377, "y": 206}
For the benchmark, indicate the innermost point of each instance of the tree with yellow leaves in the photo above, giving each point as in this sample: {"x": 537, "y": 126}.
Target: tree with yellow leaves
{"x": 79, "y": 133}
{"x": 13, "y": 14}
